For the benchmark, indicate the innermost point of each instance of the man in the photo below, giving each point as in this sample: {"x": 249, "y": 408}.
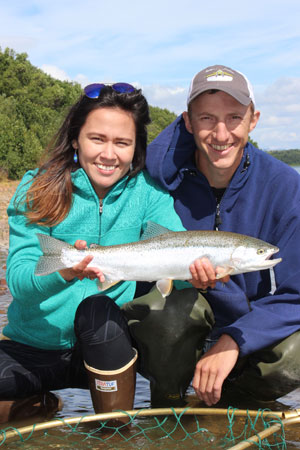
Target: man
{"x": 220, "y": 181}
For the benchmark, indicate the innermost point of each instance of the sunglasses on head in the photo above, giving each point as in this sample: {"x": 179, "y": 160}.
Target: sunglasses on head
{"x": 93, "y": 90}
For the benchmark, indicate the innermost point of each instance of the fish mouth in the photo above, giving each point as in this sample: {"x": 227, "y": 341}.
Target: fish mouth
{"x": 270, "y": 262}
{"x": 266, "y": 264}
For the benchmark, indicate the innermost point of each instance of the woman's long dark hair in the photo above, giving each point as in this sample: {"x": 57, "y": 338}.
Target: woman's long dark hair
{"x": 49, "y": 198}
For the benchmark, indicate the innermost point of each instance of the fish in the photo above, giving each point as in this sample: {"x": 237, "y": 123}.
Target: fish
{"x": 161, "y": 255}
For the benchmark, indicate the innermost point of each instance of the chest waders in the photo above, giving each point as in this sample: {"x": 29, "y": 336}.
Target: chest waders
{"x": 269, "y": 373}
{"x": 169, "y": 334}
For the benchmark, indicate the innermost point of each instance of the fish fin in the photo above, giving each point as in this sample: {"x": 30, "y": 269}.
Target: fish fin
{"x": 165, "y": 287}
{"x": 48, "y": 264}
{"x": 50, "y": 245}
{"x": 50, "y": 261}
{"x": 152, "y": 230}
{"x": 108, "y": 283}
{"x": 228, "y": 270}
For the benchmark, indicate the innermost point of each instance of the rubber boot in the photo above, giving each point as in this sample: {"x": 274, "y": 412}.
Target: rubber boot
{"x": 39, "y": 405}
{"x": 113, "y": 389}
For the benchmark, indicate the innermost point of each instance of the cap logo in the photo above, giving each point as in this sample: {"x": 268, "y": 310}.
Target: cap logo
{"x": 219, "y": 75}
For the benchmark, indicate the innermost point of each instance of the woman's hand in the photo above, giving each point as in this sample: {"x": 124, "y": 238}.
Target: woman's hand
{"x": 204, "y": 274}
{"x": 81, "y": 270}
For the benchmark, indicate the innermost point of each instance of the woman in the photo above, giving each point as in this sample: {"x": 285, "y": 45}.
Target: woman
{"x": 61, "y": 331}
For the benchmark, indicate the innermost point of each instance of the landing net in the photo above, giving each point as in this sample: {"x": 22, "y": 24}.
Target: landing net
{"x": 165, "y": 428}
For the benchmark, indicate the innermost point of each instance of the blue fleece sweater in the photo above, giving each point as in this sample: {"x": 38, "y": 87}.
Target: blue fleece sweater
{"x": 43, "y": 307}
{"x": 263, "y": 201}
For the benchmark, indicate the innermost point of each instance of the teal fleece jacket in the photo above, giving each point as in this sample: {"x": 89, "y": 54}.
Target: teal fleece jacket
{"x": 43, "y": 307}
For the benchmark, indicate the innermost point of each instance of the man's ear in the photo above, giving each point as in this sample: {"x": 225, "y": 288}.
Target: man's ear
{"x": 187, "y": 122}
{"x": 254, "y": 120}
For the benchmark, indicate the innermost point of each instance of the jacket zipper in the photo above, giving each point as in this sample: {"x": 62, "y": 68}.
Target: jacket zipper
{"x": 218, "y": 198}
{"x": 218, "y": 220}
{"x": 100, "y": 218}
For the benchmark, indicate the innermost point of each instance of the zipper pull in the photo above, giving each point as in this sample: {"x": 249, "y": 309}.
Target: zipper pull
{"x": 218, "y": 220}
{"x": 100, "y": 205}
{"x": 246, "y": 163}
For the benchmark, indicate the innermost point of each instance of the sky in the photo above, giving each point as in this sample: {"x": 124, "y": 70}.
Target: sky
{"x": 159, "y": 45}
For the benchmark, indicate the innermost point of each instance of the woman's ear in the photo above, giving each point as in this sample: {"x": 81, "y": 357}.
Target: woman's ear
{"x": 75, "y": 144}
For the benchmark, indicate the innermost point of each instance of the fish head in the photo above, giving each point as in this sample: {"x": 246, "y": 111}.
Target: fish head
{"x": 254, "y": 255}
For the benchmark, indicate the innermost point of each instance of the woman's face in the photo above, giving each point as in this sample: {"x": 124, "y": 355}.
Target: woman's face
{"x": 106, "y": 145}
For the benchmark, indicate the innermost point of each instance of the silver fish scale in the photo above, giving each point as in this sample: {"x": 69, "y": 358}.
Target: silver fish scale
{"x": 167, "y": 256}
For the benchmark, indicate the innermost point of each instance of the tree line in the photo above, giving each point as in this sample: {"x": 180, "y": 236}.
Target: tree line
{"x": 290, "y": 157}
{"x": 32, "y": 107}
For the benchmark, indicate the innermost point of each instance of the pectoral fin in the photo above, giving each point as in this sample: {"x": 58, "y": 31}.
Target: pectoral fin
{"x": 165, "y": 287}
{"x": 107, "y": 284}
{"x": 226, "y": 270}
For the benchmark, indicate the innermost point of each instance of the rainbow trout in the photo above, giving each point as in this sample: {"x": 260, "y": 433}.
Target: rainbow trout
{"x": 162, "y": 256}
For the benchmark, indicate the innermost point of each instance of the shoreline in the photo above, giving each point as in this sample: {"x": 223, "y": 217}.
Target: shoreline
{"x": 7, "y": 190}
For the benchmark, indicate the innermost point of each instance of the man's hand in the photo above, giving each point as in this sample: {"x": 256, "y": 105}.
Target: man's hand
{"x": 204, "y": 274}
{"x": 81, "y": 270}
{"x": 212, "y": 369}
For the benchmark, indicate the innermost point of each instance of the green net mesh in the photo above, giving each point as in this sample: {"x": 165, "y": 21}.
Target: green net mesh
{"x": 153, "y": 429}
{"x": 253, "y": 426}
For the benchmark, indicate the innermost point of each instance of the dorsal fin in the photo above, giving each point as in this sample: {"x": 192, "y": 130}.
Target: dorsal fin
{"x": 153, "y": 229}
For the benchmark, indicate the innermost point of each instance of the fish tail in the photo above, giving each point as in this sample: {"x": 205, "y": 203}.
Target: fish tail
{"x": 50, "y": 261}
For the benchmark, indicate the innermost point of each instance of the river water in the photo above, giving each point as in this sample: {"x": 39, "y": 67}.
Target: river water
{"x": 77, "y": 402}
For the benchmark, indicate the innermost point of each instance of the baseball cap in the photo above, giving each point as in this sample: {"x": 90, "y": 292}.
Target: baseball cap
{"x": 224, "y": 79}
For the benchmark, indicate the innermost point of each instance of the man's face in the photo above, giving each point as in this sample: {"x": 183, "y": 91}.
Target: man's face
{"x": 220, "y": 125}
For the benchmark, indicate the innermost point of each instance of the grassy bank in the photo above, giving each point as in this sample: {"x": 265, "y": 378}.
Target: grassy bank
{"x": 7, "y": 189}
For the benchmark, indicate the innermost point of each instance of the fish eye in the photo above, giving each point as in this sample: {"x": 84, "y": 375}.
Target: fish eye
{"x": 260, "y": 251}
